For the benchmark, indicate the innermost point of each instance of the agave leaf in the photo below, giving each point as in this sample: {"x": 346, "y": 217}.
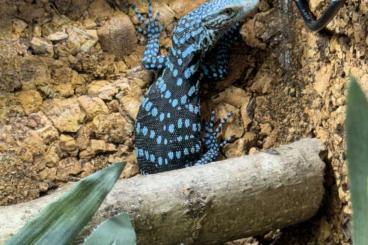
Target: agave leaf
{"x": 117, "y": 230}
{"x": 357, "y": 154}
{"x": 61, "y": 221}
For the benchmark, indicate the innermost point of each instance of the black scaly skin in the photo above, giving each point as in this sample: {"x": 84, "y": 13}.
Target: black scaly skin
{"x": 168, "y": 129}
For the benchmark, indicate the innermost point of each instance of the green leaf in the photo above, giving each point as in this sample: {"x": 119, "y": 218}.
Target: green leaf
{"x": 357, "y": 154}
{"x": 117, "y": 230}
{"x": 61, "y": 221}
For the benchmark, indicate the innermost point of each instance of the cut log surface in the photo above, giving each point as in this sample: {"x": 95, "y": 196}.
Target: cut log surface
{"x": 208, "y": 204}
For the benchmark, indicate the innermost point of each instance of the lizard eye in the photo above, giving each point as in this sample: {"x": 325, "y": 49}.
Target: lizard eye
{"x": 228, "y": 11}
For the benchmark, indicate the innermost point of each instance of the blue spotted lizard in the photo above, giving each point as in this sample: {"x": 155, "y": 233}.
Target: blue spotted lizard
{"x": 168, "y": 129}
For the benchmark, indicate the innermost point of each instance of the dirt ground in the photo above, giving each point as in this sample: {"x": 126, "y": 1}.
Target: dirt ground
{"x": 71, "y": 83}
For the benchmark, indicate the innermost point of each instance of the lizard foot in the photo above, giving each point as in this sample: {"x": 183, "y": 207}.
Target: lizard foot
{"x": 210, "y": 139}
{"x": 150, "y": 26}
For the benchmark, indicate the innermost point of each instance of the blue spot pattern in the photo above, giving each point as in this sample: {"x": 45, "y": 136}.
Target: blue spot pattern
{"x": 168, "y": 129}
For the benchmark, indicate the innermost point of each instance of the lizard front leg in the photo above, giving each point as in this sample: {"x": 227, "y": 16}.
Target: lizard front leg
{"x": 151, "y": 28}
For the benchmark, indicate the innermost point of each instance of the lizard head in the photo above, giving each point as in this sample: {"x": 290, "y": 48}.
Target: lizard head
{"x": 204, "y": 26}
{"x": 218, "y": 15}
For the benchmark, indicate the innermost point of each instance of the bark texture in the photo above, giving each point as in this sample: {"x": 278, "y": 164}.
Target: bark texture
{"x": 209, "y": 204}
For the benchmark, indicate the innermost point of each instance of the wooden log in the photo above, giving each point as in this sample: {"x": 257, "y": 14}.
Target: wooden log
{"x": 208, "y": 204}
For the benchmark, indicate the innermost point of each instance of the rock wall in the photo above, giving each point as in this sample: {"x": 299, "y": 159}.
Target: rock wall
{"x": 71, "y": 83}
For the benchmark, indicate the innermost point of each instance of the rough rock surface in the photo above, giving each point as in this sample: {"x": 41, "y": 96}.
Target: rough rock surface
{"x": 71, "y": 84}
{"x": 117, "y": 36}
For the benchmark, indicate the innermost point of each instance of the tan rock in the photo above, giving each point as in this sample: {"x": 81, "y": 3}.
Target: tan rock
{"x": 65, "y": 89}
{"x": 100, "y": 9}
{"x": 357, "y": 72}
{"x": 97, "y": 146}
{"x": 92, "y": 106}
{"x": 252, "y": 151}
{"x": 322, "y": 134}
{"x": 117, "y": 36}
{"x": 45, "y": 128}
{"x": 26, "y": 155}
{"x": 80, "y": 40}
{"x": 31, "y": 145}
{"x": 270, "y": 141}
{"x": 67, "y": 143}
{"x": 37, "y": 31}
{"x": 262, "y": 83}
{"x": 139, "y": 76}
{"x": 76, "y": 79}
{"x": 43, "y": 186}
{"x": 122, "y": 84}
{"x": 114, "y": 106}
{"x": 103, "y": 89}
{"x": 83, "y": 137}
{"x": 348, "y": 209}
{"x": 61, "y": 74}
{"x": 101, "y": 146}
{"x": 363, "y": 82}
{"x": 266, "y": 129}
{"x": 250, "y": 137}
{"x": 130, "y": 105}
{"x": 42, "y": 46}
{"x": 30, "y": 100}
{"x": 35, "y": 72}
{"x": 167, "y": 15}
{"x": 129, "y": 96}
{"x": 233, "y": 96}
{"x": 48, "y": 174}
{"x": 250, "y": 37}
{"x": 67, "y": 167}
{"x": 337, "y": 47}
{"x": 66, "y": 114}
{"x": 182, "y": 7}
{"x": 235, "y": 149}
{"x": 258, "y": 32}
{"x": 112, "y": 128}
{"x": 244, "y": 112}
{"x": 52, "y": 157}
{"x": 89, "y": 23}
{"x": 86, "y": 154}
{"x": 72, "y": 8}
{"x": 240, "y": 146}
{"x": 134, "y": 60}
{"x": 322, "y": 79}
{"x": 88, "y": 169}
{"x": 19, "y": 26}
{"x": 58, "y": 36}
{"x": 131, "y": 169}
{"x": 88, "y": 45}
